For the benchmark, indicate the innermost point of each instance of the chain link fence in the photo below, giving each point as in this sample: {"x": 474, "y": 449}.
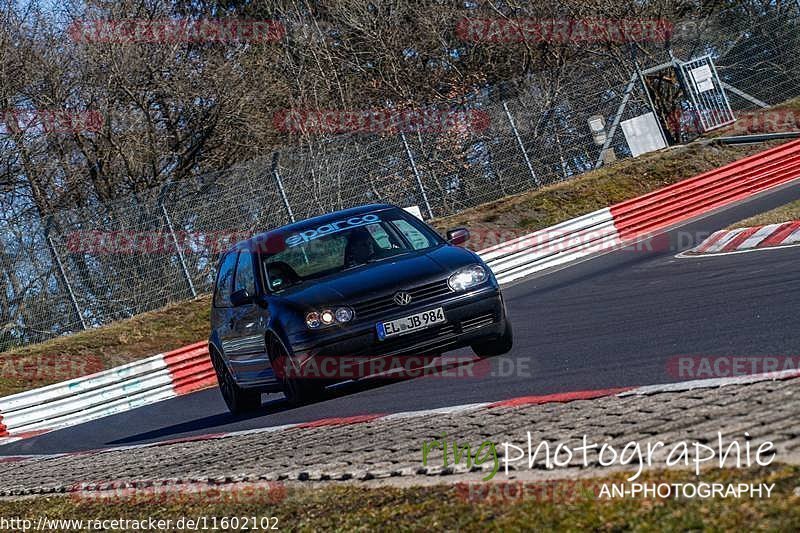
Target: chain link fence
{"x": 82, "y": 268}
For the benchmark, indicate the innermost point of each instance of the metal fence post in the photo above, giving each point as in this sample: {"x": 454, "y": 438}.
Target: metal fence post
{"x": 617, "y": 117}
{"x": 650, "y": 102}
{"x": 178, "y": 248}
{"x": 416, "y": 175}
{"x": 746, "y": 96}
{"x": 521, "y": 146}
{"x": 280, "y": 186}
{"x": 63, "y": 275}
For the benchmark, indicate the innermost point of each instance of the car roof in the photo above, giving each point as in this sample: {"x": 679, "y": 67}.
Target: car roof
{"x": 256, "y": 240}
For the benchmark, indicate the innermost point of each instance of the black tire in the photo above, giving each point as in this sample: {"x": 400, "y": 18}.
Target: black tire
{"x": 497, "y": 346}
{"x": 298, "y": 391}
{"x": 238, "y": 400}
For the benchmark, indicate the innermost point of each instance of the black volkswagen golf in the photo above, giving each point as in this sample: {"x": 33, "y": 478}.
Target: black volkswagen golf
{"x": 368, "y": 283}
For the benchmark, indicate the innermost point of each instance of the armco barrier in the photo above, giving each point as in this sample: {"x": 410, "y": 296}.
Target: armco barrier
{"x": 646, "y": 215}
{"x": 706, "y": 192}
{"x": 109, "y": 392}
{"x": 189, "y": 369}
{"x": 556, "y": 245}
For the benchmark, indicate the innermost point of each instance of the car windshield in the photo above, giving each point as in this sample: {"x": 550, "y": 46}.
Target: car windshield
{"x": 316, "y": 252}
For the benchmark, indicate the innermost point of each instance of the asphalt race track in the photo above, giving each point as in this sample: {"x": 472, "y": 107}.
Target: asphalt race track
{"x": 612, "y": 321}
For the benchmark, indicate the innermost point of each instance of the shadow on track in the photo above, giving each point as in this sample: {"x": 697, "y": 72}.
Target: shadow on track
{"x": 280, "y": 405}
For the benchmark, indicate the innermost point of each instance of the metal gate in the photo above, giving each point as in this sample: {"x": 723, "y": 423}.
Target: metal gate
{"x": 707, "y": 95}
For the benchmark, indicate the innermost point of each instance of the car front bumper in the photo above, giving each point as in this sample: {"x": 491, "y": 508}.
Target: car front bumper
{"x": 470, "y": 317}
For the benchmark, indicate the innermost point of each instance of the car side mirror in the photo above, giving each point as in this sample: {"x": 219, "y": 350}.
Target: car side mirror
{"x": 458, "y": 236}
{"x": 241, "y": 297}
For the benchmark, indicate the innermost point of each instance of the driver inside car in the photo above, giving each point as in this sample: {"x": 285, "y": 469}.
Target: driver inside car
{"x": 281, "y": 276}
{"x": 360, "y": 248}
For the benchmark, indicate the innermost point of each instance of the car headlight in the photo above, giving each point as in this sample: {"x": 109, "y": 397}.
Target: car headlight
{"x": 467, "y": 277}
{"x": 326, "y": 317}
{"x": 343, "y": 314}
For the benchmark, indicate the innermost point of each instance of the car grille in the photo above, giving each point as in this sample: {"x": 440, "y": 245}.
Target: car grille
{"x": 418, "y": 294}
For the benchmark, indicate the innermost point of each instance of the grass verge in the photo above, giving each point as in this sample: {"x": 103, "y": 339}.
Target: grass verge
{"x": 187, "y": 322}
{"x": 784, "y": 213}
{"x": 443, "y": 507}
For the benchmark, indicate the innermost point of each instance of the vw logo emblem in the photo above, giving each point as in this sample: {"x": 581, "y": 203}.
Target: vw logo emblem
{"x": 402, "y": 298}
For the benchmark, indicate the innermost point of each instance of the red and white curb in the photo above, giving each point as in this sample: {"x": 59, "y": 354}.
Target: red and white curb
{"x": 105, "y": 393}
{"x": 522, "y": 401}
{"x": 748, "y": 239}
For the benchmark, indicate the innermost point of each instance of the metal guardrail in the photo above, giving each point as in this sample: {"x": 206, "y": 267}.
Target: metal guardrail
{"x": 108, "y": 392}
{"x": 757, "y": 138}
{"x": 557, "y": 245}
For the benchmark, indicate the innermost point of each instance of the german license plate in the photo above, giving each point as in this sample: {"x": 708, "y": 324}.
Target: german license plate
{"x": 409, "y": 324}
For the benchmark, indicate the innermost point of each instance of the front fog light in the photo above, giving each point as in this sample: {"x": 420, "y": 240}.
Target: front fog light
{"x": 326, "y": 317}
{"x": 312, "y": 320}
{"x": 344, "y": 314}
{"x": 467, "y": 277}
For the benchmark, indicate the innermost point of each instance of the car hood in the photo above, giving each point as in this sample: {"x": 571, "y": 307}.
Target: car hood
{"x": 382, "y": 277}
